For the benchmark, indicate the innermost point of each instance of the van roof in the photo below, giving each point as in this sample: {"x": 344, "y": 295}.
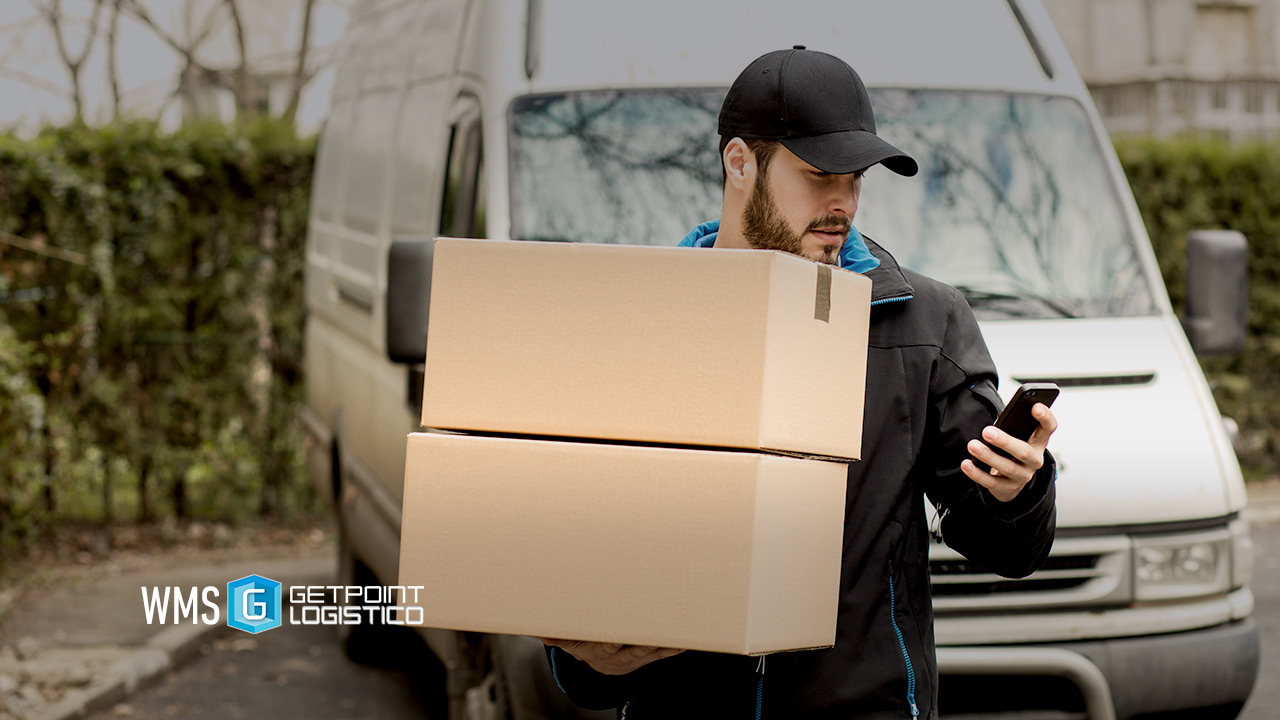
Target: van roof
{"x": 978, "y": 44}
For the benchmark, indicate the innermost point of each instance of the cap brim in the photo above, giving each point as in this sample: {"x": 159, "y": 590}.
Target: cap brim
{"x": 850, "y": 151}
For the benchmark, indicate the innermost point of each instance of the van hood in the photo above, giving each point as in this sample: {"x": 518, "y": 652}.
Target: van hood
{"x": 1139, "y": 438}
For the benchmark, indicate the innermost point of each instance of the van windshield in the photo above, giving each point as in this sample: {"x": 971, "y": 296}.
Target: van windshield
{"x": 1013, "y": 204}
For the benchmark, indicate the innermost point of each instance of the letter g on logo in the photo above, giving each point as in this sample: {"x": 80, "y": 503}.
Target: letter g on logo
{"x": 259, "y": 608}
{"x": 253, "y": 604}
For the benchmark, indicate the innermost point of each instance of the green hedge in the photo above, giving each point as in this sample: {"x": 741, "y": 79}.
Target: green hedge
{"x": 1186, "y": 184}
{"x": 151, "y": 323}
{"x": 151, "y": 313}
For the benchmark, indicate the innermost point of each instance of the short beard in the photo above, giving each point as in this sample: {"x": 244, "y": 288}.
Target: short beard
{"x": 765, "y": 229}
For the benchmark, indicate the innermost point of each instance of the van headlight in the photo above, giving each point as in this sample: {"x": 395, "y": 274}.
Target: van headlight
{"x": 1242, "y": 553}
{"x": 1180, "y": 566}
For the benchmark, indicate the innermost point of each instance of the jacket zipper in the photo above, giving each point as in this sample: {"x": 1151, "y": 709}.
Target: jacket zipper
{"x": 901, "y": 298}
{"x": 902, "y": 645}
{"x": 760, "y": 689}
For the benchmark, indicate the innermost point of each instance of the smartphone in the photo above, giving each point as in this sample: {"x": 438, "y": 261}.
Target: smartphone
{"x": 1016, "y": 418}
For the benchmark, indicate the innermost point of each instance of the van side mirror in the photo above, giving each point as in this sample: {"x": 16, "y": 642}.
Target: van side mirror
{"x": 1217, "y": 291}
{"x": 408, "y": 296}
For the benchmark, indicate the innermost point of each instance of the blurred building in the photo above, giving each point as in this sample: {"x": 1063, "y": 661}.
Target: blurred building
{"x": 1173, "y": 66}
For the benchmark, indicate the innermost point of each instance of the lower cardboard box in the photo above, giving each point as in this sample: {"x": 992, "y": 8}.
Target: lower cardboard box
{"x": 716, "y": 550}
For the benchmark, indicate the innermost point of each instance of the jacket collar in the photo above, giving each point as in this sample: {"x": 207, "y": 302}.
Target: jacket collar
{"x": 888, "y": 282}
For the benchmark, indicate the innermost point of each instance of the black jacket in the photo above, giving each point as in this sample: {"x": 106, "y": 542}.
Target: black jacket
{"x": 931, "y": 387}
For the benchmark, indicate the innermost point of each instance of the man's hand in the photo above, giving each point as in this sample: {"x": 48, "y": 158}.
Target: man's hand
{"x": 610, "y": 658}
{"x": 1009, "y": 476}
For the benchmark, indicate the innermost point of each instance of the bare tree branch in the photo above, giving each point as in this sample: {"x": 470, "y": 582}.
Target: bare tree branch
{"x": 40, "y": 247}
{"x": 93, "y": 32}
{"x": 243, "y": 101}
{"x": 207, "y": 28}
{"x": 73, "y": 62}
{"x": 185, "y": 41}
{"x": 113, "y": 74}
{"x": 300, "y": 75}
{"x": 191, "y": 64}
{"x": 34, "y": 81}
{"x": 53, "y": 15}
{"x": 17, "y": 32}
{"x": 138, "y": 11}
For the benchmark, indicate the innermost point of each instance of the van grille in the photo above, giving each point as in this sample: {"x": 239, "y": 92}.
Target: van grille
{"x": 1062, "y": 573}
{"x": 964, "y": 567}
{"x": 1081, "y": 571}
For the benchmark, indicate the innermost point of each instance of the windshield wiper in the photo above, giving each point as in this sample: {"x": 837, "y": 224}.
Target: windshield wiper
{"x": 984, "y": 298}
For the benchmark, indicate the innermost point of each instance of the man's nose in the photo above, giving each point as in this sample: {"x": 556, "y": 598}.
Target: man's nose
{"x": 844, "y": 196}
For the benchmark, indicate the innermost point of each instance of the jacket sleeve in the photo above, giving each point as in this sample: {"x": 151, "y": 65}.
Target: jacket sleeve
{"x": 585, "y": 687}
{"x": 1011, "y": 539}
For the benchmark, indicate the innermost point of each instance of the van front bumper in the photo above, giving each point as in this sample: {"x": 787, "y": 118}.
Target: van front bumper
{"x": 1123, "y": 677}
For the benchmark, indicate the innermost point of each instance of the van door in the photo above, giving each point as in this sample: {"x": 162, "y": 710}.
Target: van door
{"x": 462, "y": 209}
{"x": 462, "y": 214}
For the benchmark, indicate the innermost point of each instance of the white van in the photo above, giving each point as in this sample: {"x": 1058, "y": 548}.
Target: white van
{"x": 594, "y": 121}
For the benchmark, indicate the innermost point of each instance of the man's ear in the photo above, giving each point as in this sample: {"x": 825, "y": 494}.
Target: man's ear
{"x": 739, "y": 164}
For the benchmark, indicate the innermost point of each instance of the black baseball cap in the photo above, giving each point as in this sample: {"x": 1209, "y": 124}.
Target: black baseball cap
{"x": 816, "y": 106}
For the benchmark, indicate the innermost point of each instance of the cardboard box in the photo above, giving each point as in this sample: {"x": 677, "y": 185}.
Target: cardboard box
{"x": 725, "y": 348}
{"x": 726, "y": 551}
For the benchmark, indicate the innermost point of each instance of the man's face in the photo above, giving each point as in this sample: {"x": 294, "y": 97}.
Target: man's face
{"x": 797, "y": 208}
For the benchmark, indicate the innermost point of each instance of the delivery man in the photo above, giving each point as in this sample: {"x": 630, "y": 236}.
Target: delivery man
{"x": 797, "y": 134}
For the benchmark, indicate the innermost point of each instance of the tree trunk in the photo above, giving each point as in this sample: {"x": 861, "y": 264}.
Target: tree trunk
{"x": 260, "y": 366}
{"x": 106, "y": 490}
{"x": 77, "y": 98}
{"x": 145, "y": 509}
{"x": 179, "y": 498}
{"x": 45, "y": 383}
{"x": 188, "y": 440}
{"x": 50, "y": 467}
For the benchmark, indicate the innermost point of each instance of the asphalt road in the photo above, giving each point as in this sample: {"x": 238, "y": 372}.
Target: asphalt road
{"x": 1264, "y": 704}
{"x": 302, "y": 672}
{"x": 296, "y": 672}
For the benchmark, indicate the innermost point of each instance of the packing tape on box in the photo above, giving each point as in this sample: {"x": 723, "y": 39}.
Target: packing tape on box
{"x": 822, "y": 300}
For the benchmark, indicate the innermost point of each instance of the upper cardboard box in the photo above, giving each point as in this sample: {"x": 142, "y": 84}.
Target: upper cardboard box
{"x": 725, "y": 348}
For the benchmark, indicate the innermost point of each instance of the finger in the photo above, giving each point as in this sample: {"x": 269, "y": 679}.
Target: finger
{"x": 1006, "y": 477}
{"x": 1023, "y": 453}
{"x": 1048, "y": 424}
{"x": 664, "y": 653}
{"x": 637, "y": 653}
{"x": 626, "y": 660}
{"x": 976, "y": 474}
{"x": 1014, "y": 467}
{"x": 1001, "y": 487}
{"x": 637, "y": 657}
{"x": 590, "y": 652}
